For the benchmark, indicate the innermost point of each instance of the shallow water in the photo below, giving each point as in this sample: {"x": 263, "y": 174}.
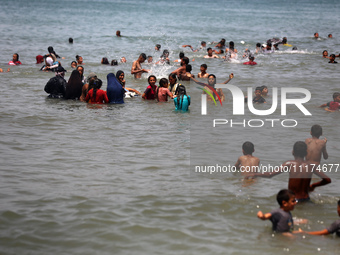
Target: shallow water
{"x": 115, "y": 179}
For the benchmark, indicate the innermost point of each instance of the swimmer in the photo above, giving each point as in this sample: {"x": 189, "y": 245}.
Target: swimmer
{"x": 74, "y": 64}
{"x": 325, "y": 54}
{"x": 258, "y": 99}
{"x": 15, "y": 61}
{"x": 332, "y": 59}
{"x": 104, "y": 61}
{"x": 221, "y": 44}
{"x": 316, "y": 148}
{"x": 210, "y": 54}
{"x": 251, "y": 61}
{"x": 122, "y": 60}
{"x": 164, "y": 58}
{"x": 181, "y": 55}
{"x": 162, "y": 92}
{"x": 211, "y": 85}
{"x": 247, "y": 161}
{"x": 150, "y": 92}
{"x": 118, "y": 33}
{"x": 187, "y": 75}
{"x": 70, "y": 40}
{"x": 330, "y": 36}
{"x": 203, "y": 45}
{"x": 79, "y": 60}
{"x": 136, "y": 69}
{"x": 157, "y": 47}
{"x": 333, "y": 105}
{"x": 316, "y": 35}
{"x": 203, "y": 73}
{"x": 182, "y": 70}
{"x": 150, "y": 59}
{"x": 1, "y": 71}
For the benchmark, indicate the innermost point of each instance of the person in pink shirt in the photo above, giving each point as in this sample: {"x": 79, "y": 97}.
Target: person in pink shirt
{"x": 15, "y": 61}
{"x": 163, "y": 92}
{"x": 251, "y": 61}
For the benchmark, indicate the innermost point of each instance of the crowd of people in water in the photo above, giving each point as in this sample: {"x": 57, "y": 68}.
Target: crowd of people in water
{"x": 307, "y": 154}
{"x": 88, "y": 89}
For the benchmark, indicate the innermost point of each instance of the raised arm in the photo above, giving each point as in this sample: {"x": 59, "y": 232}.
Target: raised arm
{"x": 230, "y": 77}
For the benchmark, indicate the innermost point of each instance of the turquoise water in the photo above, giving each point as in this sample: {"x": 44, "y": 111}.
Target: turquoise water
{"x": 80, "y": 179}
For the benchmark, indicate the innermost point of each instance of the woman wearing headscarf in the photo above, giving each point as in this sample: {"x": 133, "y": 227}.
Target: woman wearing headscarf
{"x": 115, "y": 91}
{"x": 74, "y": 86}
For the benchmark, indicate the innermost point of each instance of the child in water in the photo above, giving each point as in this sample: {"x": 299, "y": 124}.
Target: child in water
{"x": 163, "y": 92}
{"x": 247, "y": 163}
{"x": 182, "y": 101}
{"x": 333, "y": 105}
{"x": 96, "y": 95}
{"x": 211, "y": 84}
{"x": 150, "y": 92}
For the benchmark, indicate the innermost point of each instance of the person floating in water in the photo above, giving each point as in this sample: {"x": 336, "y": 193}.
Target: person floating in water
{"x": 137, "y": 69}
{"x": 333, "y": 105}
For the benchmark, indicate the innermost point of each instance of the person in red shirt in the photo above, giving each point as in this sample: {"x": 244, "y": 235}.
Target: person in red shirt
{"x": 150, "y": 92}
{"x": 251, "y": 61}
{"x": 97, "y": 95}
{"x": 15, "y": 61}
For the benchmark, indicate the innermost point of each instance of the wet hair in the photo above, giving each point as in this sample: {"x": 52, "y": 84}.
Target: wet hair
{"x": 205, "y": 66}
{"x": 158, "y": 46}
{"x": 151, "y": 76}
{"x": 17, "y": 56}
{"x": 316, "y": 131}
{"x": 248, "y": 148}
{"x": 74, "y": 62}
{"x": 203, "y": 42}
{"x": 300, "y": 149}
{"x": 114, "y": 62}
{"x": 165, "y": 54}
{"x": 336, "y": 94}
{"x": 77, "y": 57}
{"x": 188, "y": 68}
{"x": 209, "y": 49}
{"x": 181, "y": 92}
{"x": 284, "y": 40}
{"x": 105, "y": 61}
{"x": 97, "y": 84}
{"x": 284, "y": 195}
{"x": 181, "y": 55}
{"x": 149, "y": 56}
{"x": 332, "y": 56}
{"x": 324, "y": 52}
{"x": 143, "y": 55}
{"x": 70, "y": 40}
{"x": 258, "y": 45}
{"x": 251, "y": 57}
{"x": 294, "y": 48}
{"x": 163, "y": 83}
{"x": 186, "y": 60}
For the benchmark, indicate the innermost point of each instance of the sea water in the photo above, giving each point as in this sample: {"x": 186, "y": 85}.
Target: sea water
{"x": 117, "y": 179}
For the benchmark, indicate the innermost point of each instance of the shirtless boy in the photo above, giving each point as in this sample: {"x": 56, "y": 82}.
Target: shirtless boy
{"x": 316, "y": 147}
{"x": 136, "y": 69}
{"x": 300, "y": 173}
{"x": 210, "y": 54}
{"x": 247, "y": 163}
{"x": 203, "y": 73}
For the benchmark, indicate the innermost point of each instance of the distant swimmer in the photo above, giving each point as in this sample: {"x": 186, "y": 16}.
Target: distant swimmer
{"x": 122, "y": 60}
{"x": 118, "y": 33}
{"x": 157, "y": 47}
{"x": 15, "y": 61}
{"x": 79, "y": 60}
{"x": 330, "y": 36}
{"x": 333, "y": 105}
{"x": 210, "y": 54}
{"x": 137, "y": 69}
{"x": 316, "y": 35}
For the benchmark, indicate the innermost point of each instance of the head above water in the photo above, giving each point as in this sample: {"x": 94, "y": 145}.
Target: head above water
{"x": 316, "y": 131}
{"x": 300, "y": 149}
{"x": 248, "y": 148}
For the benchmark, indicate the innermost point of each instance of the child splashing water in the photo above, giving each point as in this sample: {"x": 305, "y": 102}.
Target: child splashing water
{"x": 163, "y": 92}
